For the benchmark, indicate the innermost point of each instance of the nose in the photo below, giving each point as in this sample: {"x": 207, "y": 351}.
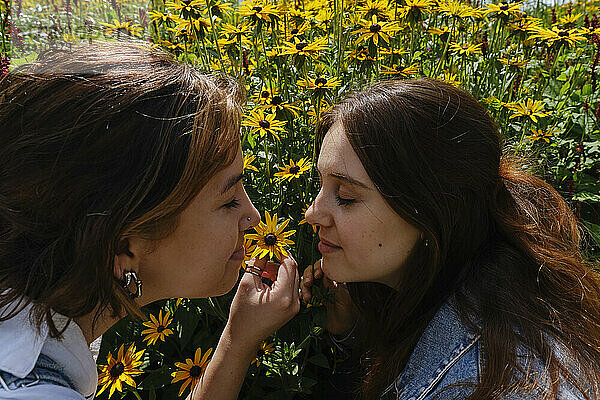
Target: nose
{"x": 317, "y": 213}
{"x": 250, "y": 216}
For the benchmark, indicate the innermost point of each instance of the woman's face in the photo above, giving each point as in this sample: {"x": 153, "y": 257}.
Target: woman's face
{"x": 202, "y": 257}
{"x": 362, "y": 238}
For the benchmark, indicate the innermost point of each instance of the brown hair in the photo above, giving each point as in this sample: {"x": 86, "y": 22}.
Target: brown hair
{"x": 502, "y": 240}
{"x": 99, "y": 143}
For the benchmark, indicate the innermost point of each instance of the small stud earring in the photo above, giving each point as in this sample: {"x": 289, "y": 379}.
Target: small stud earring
{"x": 426, "y": 243}
{"x": 128, "y": 277}
{"x": 249, "y": 219}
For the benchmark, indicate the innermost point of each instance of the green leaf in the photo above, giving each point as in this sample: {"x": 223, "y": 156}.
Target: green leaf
{"x": 320, "y": 360}
{"x": 187, "y": 322}
{"x": 584, "y": 196}
{"x": 157, "y": 378}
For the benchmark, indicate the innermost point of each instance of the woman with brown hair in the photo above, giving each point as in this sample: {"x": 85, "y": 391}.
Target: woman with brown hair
{"x": 119, "y": 165}
{"x": 457, "y": 274}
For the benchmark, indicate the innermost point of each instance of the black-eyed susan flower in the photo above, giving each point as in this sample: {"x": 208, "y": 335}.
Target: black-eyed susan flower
{"x": 529, "y": 108}
{"x": 258, "y": 11}
{"x": 504, "y": 10}
{"x": 264, "y": 124}
{"x": 219, "y": 9}
{"x": 240, "y": 32}
{"x": 277, "y": 103}
{"x": 443, "y": 32}
{"x": 303, "y": 220}
{"x": 120, "y": 370}
{"x": 455, "y": 9}
{"x": 558, "y": 37}
{"x": 304, "y": 48}
{"x": 249, "y": 247}
{"x": 190, "y": 371}
{"x": 374, "y": 30}
{"x": 248, "y": 160}
{"x": 271, "y": 239}
{"x": 157, "y": 328}
{"x": 540, "y": 135}
{"x": 265, "y": 94}
{"x": 401, "y": 70}
{"x": 567, "y": 21}
{"x": 451, "y": 78}
{"x": 264, "y": 349}
{"x": 319, "y": 82}
{"x": 187, "y": 8}
{"x": 293, "y": 169}
{"x": 127, "y": 27}
{"x": 465, "y": 49}
{"x": 380, "y": 8}
{"x": 518, "y": 62}
{"x": 414, "y": 10}
{"x": 297, "y": 31}
{"x": 160, "y": 18}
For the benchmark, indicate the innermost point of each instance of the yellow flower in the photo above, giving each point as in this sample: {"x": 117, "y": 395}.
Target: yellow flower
{"x": 465, "y": 49}
{"x": 302, "y": 48}
{"x": 401, "y": 70}
{"x": 541, "y": 135}
{"x": 248, "y": 159}
{"x": 552, "y": 36}
{"x": 380, "y": 8}
{"x": 188, "y": 9}
{"x": 264, "y": 349}
{"x": 160, "y": 18}
{"x": 157, "y": 328}
{"x": 414, "y": 10}
{"x": 219, "y": 9}
{"x": 265, "y": 95}
{"x": 303, "y": 220}
{"x": 293, "y": 169}
{"x": 258, "y": 11}
{"x": 191, "y": 371}
{"x": 504, "y": 10}
{"x": 263, "y": 123}
{"x": 450, "y": 78}
{"x": 271, "y": 239}
{"x": 126, "y": 27}
{"x": 320, "y": 82}
{"x": 248, "y": 250}
{"x": 375, "y": 30}
{"x": 568, "y": 21}
{"x": 455, "y": 9}
{"x": 120, "y": 370}
{"x": 514, "y": 61}
{"x": 297, "y": 30}
{"x": 276, "y": 103}
{"x": 530, "y": 108}
{"x": 443, "y": 32}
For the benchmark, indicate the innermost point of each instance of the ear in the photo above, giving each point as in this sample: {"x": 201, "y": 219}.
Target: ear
{"x": 125, "y": 259}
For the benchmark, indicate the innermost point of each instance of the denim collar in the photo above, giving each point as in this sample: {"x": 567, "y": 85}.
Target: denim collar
{"x": 22, "y": 345}
{"x": 443, "y": 342}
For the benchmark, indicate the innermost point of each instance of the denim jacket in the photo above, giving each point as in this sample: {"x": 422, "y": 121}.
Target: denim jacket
{"x": 447, "y": 353}
{"x": 34, "y": 366}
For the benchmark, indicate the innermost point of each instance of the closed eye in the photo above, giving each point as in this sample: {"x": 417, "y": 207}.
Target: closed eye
{"x": 232, "y": 204}
{"x": 343, "y": 202}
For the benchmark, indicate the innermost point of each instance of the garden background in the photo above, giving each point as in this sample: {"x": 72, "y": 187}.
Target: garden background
{"x": 533, "y": 66}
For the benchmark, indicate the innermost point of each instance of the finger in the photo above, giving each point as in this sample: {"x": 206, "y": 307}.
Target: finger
{"x": 251, "y": 281}
{"x": 307, "y": 276}
{"x": 297, "y": 282}
{"x": 318, "y": 269}
{"x": 285, "y": 278}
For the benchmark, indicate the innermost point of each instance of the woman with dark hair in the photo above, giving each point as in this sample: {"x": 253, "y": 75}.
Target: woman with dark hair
{"x": 457, "y": 274}
{"x": 119, "y": 165}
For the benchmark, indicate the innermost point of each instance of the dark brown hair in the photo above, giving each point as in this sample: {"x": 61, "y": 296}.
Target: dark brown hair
{"x": 99, "y": 143}
{"x": 502, "y": 240}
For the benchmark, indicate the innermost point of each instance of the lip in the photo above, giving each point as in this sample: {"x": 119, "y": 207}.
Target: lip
{"x": 327, "y": 247}
{"x": 238, "y": 254}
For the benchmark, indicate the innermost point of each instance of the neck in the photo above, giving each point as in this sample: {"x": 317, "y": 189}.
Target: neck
{"x": 105, "y": 322}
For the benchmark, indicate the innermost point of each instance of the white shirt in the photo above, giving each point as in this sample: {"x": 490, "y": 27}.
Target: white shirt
{"x": 21, "y": 345}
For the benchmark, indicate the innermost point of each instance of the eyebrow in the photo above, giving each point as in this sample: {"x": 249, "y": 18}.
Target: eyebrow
{"x": 347, "y": 179}
{"x": 231, "y": 182}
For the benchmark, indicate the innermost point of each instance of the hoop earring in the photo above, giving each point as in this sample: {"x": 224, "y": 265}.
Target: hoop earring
{"x": 128, "y": 277}
{"x": 426, "y": 243}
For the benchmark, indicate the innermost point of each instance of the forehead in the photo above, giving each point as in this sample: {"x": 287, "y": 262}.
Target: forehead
{"x": 337, "y": 155}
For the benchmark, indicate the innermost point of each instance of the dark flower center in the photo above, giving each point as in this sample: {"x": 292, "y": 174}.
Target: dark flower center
{"x": 257, "y": 9}
{"x": 399, "y": 68}
{"x": 195, "y": 371}
{"x": 300, "y": 46}
{"x": 563, "y": 33}
{"x": 264, "y": 124}
{"x": 264, "y": 94}
{"x": 294, "y": 169}
{"x": 270, "y": 239}
{"x": 375, "y": 28}
{"x": 186, "y": 2}
{"x": 160, "y": 328}
{"x": 504, "y": 7}
{"x": 215, "y": 10}
{"x": 295, "y": 31}
{"x": 260, "y": 353}
{"x": 320, "y": 81}
{"x": 117, "y": 370}
{"x": 277, "y": 100}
